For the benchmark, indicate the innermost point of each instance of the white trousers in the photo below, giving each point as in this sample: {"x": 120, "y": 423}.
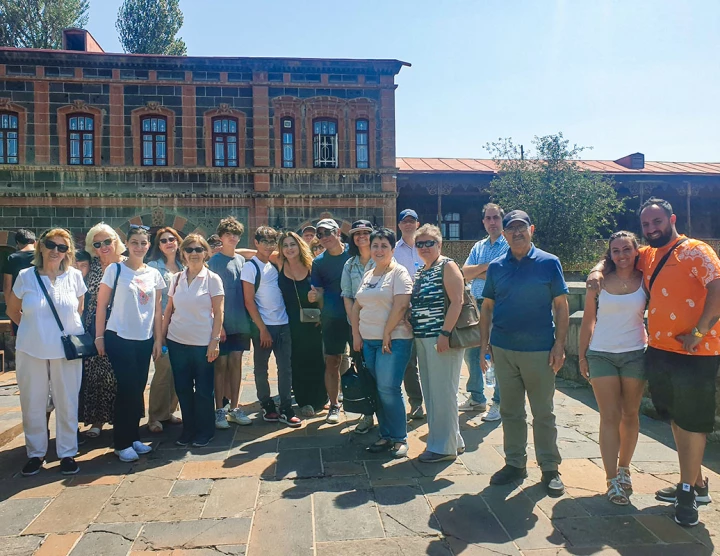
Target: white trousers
{"x": 35, "y": 377}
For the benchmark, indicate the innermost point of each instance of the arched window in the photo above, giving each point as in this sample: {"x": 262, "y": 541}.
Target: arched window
{"x": 81, "y": 139}
{"x": 225, "y": 141}
{"x": 325, "y": 144}
{"x": 9, "y": 130}
{"x": 362, "y": 143}
{"x": 287, "y": 128}
{"x": 154, "y": 140}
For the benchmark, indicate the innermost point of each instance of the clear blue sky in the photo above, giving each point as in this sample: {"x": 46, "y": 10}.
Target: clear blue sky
{"x": 619, "y": 75}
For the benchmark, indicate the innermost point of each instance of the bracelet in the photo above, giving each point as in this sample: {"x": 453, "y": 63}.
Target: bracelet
{"x": 100, "y": 337}
{"x": 216, "y": 338}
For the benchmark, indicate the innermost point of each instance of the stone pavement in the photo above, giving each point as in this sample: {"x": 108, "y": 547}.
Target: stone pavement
{"x": 266, "y": 489}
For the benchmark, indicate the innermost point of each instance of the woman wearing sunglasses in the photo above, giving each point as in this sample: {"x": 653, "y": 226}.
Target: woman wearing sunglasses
{"x": 192, "y": 324}
{"x": 132, "y": 335}
{"x": 40, "y": 357}
{"x": 97, "y": 398}
{"x": 165, "y": 257}
{"x": 433, "y": 319}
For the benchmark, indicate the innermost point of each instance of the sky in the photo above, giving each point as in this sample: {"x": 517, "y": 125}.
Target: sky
{"x": 620, "y": 76}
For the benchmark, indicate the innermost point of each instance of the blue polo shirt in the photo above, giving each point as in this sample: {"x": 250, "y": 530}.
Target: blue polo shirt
{"x": 523, "y": 292}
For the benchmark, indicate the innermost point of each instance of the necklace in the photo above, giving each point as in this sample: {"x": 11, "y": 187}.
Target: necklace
{"x": 370, "y": 285}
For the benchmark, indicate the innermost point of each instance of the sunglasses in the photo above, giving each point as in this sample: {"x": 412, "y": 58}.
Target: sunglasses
{"x": 140, "y": 226}
{"x": 50, "y": 245}
{"x": 428, "y": 243}
{"x": 321, "y": 235}
{"x": 189, "y": 250}
{"x": 99, "y": 244}
{"x": 170, "y": 239}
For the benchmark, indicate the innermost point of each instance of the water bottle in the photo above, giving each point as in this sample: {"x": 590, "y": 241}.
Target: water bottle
{"x": 490, "y": 373}
{"x": 164, "y": 350}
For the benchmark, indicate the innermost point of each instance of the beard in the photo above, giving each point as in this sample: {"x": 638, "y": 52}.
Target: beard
{"x": 661, "y": 241}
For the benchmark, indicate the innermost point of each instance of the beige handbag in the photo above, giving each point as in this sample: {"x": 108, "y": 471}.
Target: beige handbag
{"x": 466, "y": 332}
{"x": 308, "y": 315}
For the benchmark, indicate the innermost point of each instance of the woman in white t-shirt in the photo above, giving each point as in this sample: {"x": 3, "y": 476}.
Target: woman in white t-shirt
{"x": 612, "y": 355}
{"x": 191, "y": 328}
{"x": 132, "y": 335}
{"x": 40, "y": 357}
{"x": 380, "y": 329}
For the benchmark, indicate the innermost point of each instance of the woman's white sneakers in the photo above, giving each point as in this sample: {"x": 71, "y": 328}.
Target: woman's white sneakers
{"x": 131, "y": 453}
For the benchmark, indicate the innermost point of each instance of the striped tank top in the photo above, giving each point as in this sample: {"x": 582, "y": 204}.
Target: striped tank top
{"x": 427, "y": 309}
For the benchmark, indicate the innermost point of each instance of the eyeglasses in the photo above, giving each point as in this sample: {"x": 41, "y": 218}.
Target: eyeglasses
{"x": 189, "y": 250}
{"x": 170, "y": 239}
{"x": 319, "y": 234}
{"x": 427, "y": 243}
{"x": 99, "y": 244}
{"x": 140, "y": 226}
{"x": 50, "y": 245}
{"x": 522, "y": 228}
{"x": 268, "y": 242}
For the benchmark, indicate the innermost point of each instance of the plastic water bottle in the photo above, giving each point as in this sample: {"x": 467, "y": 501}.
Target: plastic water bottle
{"x": 490, "y": 373}
{"x": 164, "y": 350}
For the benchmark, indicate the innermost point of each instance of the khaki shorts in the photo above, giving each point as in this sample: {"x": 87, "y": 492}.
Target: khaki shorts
{"x": 630, "y": 364}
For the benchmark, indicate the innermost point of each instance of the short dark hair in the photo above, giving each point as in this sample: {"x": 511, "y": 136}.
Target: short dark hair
{"x": 266, "y": 232}
{"x": 662, "y": 203}
{"x": 230, "y": 225}
{"x": 24, "y": 237}
{"x": 384, "y": 233}
{"x": 83, "y": 256}
{"x": 493, "y": 206}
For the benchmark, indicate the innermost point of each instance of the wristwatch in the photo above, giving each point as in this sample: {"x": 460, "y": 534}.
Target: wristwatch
{"x": 445, "y": 333}
{"x": 695, "y": 332}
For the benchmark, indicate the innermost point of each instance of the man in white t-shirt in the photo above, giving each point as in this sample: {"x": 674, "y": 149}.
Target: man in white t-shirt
{"x": 271, "y": 333}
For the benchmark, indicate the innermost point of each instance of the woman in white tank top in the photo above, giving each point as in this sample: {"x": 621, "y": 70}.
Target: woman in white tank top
{"x": 613, "y": 339}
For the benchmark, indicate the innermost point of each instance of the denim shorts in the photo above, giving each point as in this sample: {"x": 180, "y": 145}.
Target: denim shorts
{"x": 630, "y": 364}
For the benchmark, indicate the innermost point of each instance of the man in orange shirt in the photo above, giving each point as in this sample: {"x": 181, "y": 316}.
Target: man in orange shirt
{"x": 684, "y": 344}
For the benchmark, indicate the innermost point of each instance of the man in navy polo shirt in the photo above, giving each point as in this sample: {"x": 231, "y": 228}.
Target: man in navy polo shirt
{"x": 522, "y": 291}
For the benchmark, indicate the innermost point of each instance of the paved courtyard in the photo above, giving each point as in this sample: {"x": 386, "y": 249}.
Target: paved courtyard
{"x": 266, "y": 489}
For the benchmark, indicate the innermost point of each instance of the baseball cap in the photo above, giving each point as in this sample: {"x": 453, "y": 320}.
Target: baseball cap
{"x": 408, "y": 212}
{"x": 359, "y": 225}
{"x": 328, "y": 223}
{"x": 516, "y": 216}
{"x": 308, "y": 227}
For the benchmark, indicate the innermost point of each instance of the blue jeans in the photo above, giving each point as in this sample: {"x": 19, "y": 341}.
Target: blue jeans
{"x": 195, "y": 388}
{"x": 388, "y": 369}
{"x": 476, "y": 382}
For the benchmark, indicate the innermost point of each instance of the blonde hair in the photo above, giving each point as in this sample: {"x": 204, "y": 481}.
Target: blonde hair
{"x": 95, "y": 230}
{"x": 194, "y": 238}
{"x": 68, "y": 260}
{"x": 306, "y": 257}
{"x": 430, "y": 230}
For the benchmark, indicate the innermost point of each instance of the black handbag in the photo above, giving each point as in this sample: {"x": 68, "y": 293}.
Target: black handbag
{"x": 359, "y": 388}
{"x": 76, "y": 346}
{"x": 91, "y": 324}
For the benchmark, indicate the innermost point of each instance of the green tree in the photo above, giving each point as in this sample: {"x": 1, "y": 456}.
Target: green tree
{"x": 150, "y": 26}
{"x": 570, "y": 206}
{"x": 39, "y": 23}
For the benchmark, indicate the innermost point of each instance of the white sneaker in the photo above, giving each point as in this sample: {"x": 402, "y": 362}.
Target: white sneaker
{"x": 127, "y": 455}
{"x": 471, "y": 405}
{"x": 238, "y": 417}
{"x": 141, "y": 448}
{"x": 220, "y": 419}
{"x": 493, "y": 413}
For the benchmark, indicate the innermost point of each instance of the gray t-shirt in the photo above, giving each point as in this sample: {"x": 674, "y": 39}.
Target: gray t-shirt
{"x": 229, "y": 269}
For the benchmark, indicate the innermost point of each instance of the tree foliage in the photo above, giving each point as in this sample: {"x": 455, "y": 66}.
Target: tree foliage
{"x": 39, "y": 23}
{"x": 150, "y": 26}
{"x": 568, "y": 205}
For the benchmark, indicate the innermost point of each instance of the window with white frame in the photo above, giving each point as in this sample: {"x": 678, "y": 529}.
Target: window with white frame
{"x": 325, "y": 144}
{"x": 81, "y": 140}
{"x": 154, "y": 141}
{"x": 451, "y": 226}
{"x": 288, "y": 142}
{"x": 362, "y": 144}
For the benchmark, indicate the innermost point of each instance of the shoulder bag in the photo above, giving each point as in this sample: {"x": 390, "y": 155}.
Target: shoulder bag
{"x": 359, "y": 388}
{"x": 76, "y": 346}
{"x": 307, "y": 314}
{"x": 466, "y": 332}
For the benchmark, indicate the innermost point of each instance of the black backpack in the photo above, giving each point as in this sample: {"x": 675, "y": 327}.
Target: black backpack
{"x": 359, "y": 389}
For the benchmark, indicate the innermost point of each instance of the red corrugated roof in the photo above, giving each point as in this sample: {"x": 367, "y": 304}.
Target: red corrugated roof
{"x": 486, "y": 166}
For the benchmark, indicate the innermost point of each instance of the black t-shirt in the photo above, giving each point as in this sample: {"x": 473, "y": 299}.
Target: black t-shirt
{"x": 17, "y": 262}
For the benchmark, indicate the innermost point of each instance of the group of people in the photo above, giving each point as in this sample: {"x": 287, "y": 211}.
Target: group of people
{"x": 311, "y": 299}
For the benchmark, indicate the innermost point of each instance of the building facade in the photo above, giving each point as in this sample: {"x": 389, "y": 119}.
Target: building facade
{"x": 88, "y": 136}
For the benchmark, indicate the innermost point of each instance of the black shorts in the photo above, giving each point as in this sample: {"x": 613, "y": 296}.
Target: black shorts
{"x": 336, "y": 335}
{"x": 235, "y": 342}
{"x": 682, "y": 388}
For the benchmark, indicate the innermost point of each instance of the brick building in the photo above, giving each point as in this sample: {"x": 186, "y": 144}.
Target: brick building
{"x": 89, "y": 136}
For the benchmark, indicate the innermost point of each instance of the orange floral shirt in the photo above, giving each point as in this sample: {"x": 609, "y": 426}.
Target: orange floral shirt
{"x": 678, "y": 294}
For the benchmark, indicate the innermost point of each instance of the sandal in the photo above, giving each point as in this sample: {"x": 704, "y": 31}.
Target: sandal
{"x": 155, "y": 427}
{"x": 382, "y": 445}
{"x": 616, "y": 494}
{"x": 93, "y": 432}
{"x": 624, "y": 479}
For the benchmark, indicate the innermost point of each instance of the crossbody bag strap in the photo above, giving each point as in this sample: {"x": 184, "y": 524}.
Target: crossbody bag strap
{"x": 47, "y": 297}
{"x": 112, "y": 295}
{"x": 662, "y": 262}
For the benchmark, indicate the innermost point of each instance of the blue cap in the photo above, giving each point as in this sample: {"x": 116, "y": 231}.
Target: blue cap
{"x": 487, "y": 356}
{"x": 408, "y": 212}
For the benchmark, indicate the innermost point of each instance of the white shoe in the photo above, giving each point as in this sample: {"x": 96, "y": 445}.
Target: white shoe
{"x": 141, "y": 448}
{"x": 493, "y": 413}
{"x": 471, "y": 405}
{"x": 127, "y": 455}
{"x": 238, "y": 417}
{"x": 220, "y": 420}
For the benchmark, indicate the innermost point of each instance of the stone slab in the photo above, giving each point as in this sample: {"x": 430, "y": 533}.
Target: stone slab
{"x": 614, "y": 531}
{"x": 108, "y": 542}
{"x": 148, "y": 508}
{"x": 196, "y": 487}
{"x": 665, "y": 529}
{"x": 72, "y": 510}
{"x": 16, "y": 515}
{"x": 344, "y": 468}
{"x": 194, "y": 534}
{"x": 472, "y": 484}
{"x": 360, "y": 518}
{"x": 392, "y": 469}
{"x": 285, "y": 524}
{"x": 231, "y": 498}
{"x": 19, "y": 546}
{"x": 299, "y": 463}
{"x": 406, "y": 546}
{"x": 229, "y": 468}
{"x": 143, "y": 485}
{"x": 405, "y": 512}
{"x": 58, "y": 545}
{"x": 485, "y": 460}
